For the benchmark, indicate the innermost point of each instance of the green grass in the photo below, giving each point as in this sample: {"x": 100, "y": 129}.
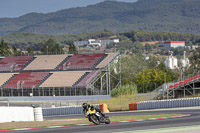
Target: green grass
{"x": 121, "y": 103}
{"x": 190, "y": 96}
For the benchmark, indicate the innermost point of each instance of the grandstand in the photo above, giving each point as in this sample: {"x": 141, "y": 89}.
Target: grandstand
{"x": 14, "y": 63}
{"x": 45, "y": 62}
{"x": 83, "y": 61}
{"x": 69, "y": 78}
{"x": 55, "y": 75}
{"x": 189, "y": 85}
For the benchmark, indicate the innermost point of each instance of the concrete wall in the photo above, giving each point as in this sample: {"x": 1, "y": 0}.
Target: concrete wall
{"x": 70, "y": 110}
{"x": 9, "y": 114}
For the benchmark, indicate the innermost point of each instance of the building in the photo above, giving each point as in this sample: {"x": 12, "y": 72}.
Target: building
{"x": 185, "y": 62}
{"x": 171, "y": 62}
{"x": 171, "y": 44}
{"x": 95, "y": 42}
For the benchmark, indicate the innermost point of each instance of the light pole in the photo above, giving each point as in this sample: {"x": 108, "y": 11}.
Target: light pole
{"x": 47, "y": 49}
{"x": 182, "y": 73}
{"x": 165, "y": 86}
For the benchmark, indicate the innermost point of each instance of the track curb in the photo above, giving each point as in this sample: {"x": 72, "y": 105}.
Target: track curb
{"x": 21, "y": 129}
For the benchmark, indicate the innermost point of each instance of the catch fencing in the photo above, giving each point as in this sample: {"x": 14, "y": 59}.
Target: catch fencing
{"x": 172, "y": 103}
{"x": 70, "y": 110}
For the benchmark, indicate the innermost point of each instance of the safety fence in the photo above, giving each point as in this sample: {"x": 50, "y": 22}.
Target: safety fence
{"x": 172, "y": 103}
{"x": 70, "y": 110}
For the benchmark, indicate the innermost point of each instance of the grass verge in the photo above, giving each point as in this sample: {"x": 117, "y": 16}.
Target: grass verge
{"x": 120, "y": 103}
{"x": 74, "y": 121}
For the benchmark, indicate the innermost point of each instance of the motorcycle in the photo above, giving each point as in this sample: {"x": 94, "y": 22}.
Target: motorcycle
{"x": 96, "y": 117}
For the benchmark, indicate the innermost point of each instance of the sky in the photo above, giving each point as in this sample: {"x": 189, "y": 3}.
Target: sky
{"x": 16, "y": 8}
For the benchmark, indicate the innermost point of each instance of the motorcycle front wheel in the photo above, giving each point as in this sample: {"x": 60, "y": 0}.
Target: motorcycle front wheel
{"x": 94, "y": 119}
{"x": 107, "y": 121}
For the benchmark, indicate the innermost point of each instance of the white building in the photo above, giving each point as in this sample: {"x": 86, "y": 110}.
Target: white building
{"x": 95, "y": 42}
{"x": 171, "y": 44}
{"x": 171, "y": 62}
{"x": 185, "y": 61}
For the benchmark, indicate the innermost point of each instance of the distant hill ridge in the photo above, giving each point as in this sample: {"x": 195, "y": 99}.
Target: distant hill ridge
{"x": 163, "y": 15}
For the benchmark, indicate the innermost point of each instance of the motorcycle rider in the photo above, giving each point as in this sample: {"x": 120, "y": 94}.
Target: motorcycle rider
{"x": 86, "y": 107}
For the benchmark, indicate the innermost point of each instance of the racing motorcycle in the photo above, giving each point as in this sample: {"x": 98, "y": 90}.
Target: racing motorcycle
{"x": 96, "y": 117}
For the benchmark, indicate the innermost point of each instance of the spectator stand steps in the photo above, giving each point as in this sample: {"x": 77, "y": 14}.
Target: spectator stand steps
{"x": 99, "y": 61}
{"x": 80, "y": 79}
{"x": 32, "y": 59}
{"x": 14, "y": 63}
{"x": 82, "y": 61}
{"x": 8, "y": 80}
{"x": 88, "y": 78}
{"x": 62, "y": 65}
{"x": 44, "y": 79}
{"x": 26, "y": 80}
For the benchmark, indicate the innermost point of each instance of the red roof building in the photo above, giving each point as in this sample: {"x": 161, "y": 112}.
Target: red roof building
{"x": 171, "y": 44}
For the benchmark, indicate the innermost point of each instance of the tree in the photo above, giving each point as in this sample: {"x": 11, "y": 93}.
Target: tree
{"x": 138, "y": 47}
{"x": 58, "y": 49}
{"x": 72, "y": 48}
{"x": 50, "y": 46}
{"x": 148, "y": 47}
{"x": 195, "y": 60}
{"x": 4, "y": 48}
{"x": 14, "y": 49}
{"x": 16, "y": 52}
{"x": 30, "y": 50}
{"x": 149, "y": 78}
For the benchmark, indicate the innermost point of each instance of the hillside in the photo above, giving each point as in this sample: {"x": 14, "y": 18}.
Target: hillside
{"x": 163, "y": 15}
{"x": 24, "y": 40}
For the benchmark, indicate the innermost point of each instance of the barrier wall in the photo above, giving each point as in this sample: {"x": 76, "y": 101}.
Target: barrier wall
{"x": 133, "y": 106}
{"x": 70, "y": 110}
{"x": 172, "y": 103}
{"x": 38, "y": 116}
{"x": 9, "y": 114}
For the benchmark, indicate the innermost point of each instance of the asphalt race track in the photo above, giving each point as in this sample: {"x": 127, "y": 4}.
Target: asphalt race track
{"x": 193, "y": 119}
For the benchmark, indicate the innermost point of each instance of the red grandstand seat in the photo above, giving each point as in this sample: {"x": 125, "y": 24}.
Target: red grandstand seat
{"x": 190, "y": 79}
{"x": 79, "y": 61}
{"x": 88, "y": 78}
{"x": 195, "y": 77}
{"x": 171, "y": 86}
{"x": 176, "y": 85}
{"x": 186, "y": 81}
{"x": 29, "y": 79}
{"x": 181, "y": 83}
{"x": 14, "y": 62}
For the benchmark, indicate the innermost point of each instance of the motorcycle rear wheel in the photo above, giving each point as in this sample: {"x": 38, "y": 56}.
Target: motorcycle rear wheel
{"x": 94, "y": 119}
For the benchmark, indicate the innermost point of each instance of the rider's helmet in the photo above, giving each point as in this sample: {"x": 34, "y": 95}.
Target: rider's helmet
{"x": 84, "y": 105}
{"x": 92, "y": 107}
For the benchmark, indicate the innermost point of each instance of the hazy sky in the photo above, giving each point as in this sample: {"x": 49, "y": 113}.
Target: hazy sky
{"x": 16, "y": 8}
